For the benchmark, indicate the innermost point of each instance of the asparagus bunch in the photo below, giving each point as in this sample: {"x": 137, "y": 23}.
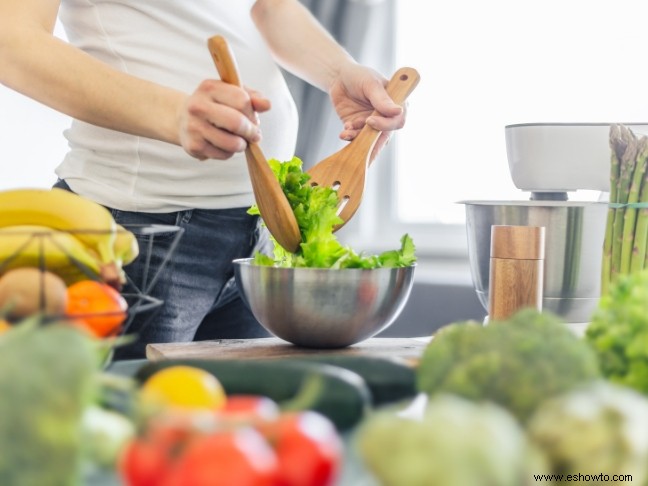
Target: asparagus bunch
{"x": 626, "y": 234}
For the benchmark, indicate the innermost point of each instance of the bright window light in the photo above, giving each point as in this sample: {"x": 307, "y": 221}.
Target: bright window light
{"x": 485, "y": 65}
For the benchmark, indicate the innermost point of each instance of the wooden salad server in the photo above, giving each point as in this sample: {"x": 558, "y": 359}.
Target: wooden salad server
{"x": 273, "y": 205}
{"x": 346, "y": 170}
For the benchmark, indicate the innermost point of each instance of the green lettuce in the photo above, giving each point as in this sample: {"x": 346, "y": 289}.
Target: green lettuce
{"x": 315, "y": 209}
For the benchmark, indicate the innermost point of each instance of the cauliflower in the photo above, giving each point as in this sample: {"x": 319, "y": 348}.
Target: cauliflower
{"x": 516, "y": 363}
{"x": 619, "y": 331}
{"x": 598, "y": 429}
{"x": 456, "y": 442}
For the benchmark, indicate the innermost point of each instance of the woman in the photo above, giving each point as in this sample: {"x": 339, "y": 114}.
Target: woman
{"x": 159, "y": 139}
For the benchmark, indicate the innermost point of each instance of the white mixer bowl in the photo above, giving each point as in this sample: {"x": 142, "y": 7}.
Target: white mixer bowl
{"x": 561, "y": 157}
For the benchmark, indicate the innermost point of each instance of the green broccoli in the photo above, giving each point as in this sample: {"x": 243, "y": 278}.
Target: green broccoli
{"x": 619, "y": 331}
{"x": 516, "y": 363}
{"x": 597, "y": 429}
{"x": 46, "y": 382}
{"x": 315, "y": 210}
{"x": 455, "y": 442}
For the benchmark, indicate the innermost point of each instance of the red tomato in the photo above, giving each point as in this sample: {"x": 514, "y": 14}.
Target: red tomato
{"x": 149, "y": 458}
{"x": 308, "y": 446}
{"x": 143, "y": 463}
{"x": 249, "y": 408}
{"x": 239, "y": 456}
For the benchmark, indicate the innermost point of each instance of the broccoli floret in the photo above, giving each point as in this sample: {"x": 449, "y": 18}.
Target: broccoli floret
{"x": 46, "y": 381}
{"x": 600, "y": 424}
{"x": 455, "y": 442}
{"x": 516, "y": 363}
{"x": 619, "y": 331}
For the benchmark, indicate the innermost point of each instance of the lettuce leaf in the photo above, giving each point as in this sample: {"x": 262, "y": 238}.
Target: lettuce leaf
{"x": 315, "y": 209}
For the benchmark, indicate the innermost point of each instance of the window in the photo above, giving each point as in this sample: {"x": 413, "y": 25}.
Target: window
{"x": 485, "y": 65}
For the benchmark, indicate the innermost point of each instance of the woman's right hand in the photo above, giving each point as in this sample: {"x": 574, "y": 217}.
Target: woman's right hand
{"x": 219, "y": 119}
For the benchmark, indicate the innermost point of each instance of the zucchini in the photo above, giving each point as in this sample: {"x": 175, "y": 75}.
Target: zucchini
{"x": 389, "y": 380}
{"x": 342, "y": 395}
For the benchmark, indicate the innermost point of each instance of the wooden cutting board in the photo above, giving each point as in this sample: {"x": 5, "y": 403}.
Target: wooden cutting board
{"x": 409, "y": 349}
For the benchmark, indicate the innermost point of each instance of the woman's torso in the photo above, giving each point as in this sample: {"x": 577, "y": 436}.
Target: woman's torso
{"x": 165, "y": 41}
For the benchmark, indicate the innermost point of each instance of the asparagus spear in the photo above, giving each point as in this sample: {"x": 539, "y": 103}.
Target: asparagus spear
{"x": 638, "y": 259}
{"x": 617, "y": 147}
{"x": 630, "y": 213}
{"x": 624, "y": 181}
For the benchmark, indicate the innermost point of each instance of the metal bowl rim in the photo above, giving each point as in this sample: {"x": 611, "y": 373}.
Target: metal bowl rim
{"x": 535, "y": 204}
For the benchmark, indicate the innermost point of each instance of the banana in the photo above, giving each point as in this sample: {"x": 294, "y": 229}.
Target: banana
{"x": 57, "y": 208}
{"x": 41, "y": 246}
{"x": 126, "y": 246}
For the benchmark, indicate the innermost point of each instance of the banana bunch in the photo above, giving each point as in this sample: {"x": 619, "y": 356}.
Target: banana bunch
{"x": 65, "y": 233}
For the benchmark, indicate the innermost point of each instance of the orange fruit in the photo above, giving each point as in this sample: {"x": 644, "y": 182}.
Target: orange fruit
{"x": 96, "y": 306}
{"x": 4, "y": 326}
{"x": 183, "y": 387}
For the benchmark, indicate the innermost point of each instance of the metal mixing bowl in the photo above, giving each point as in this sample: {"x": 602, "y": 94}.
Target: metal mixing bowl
{"x": 574, "y": 235}
{"x": 323, "y": 308}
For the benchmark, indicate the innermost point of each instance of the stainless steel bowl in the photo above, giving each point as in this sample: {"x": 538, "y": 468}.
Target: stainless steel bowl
{"x": 574, "y": 235}
{"x": 323, "y": 308}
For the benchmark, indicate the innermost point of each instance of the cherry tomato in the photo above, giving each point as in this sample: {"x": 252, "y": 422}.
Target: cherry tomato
{"x": 249, "y": 408}
{"x": 308, "y": 447}
{"x": 151, "y": 456}
{"x": 238, "y": 456}
{"x": 143, "y": 463}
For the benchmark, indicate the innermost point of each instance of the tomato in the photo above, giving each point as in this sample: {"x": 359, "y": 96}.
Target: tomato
{"x": 308, "y": 447}
{"x": 249, "y": 408}
{"x": 96, "y": 307}
{"x": 150, "y": 457}
{"x": 239, "y": 456}
{"x": 185, "y": 387}
{"x": 143, "y": 463}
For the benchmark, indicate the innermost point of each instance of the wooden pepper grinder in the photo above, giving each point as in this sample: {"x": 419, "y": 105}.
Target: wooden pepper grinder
{"x": 516, "y": 269}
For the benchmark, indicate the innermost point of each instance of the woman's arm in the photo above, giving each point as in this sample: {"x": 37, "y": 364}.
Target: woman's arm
{"x": 209, "y": 123}
{"x": 302, "y": 46}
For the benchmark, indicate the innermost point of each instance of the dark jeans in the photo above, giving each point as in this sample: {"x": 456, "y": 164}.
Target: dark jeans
{"x": 197, "y": 286}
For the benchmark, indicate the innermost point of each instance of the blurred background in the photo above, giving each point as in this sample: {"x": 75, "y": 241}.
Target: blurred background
{"x": 483, "y": 65}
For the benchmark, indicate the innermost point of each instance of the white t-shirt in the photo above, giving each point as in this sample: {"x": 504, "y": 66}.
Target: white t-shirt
{"x": 165, "y": 41}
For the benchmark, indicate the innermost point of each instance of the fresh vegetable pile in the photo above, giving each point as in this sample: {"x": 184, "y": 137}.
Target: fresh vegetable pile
{"x": 54, "y": 423}
{"x": 619, "y": 331}
{"x": 516, "y": 362}
{"x": 193, "y": 433}
{"x": 626, "y": 234}
{"x": 315, "y": 209}
{"x": 523, "y": 401}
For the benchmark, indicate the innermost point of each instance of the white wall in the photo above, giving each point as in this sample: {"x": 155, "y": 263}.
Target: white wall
{"x": 31, "y": 139}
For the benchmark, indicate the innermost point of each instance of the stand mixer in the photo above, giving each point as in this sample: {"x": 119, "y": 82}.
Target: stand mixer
{"x": 550, "y": 160}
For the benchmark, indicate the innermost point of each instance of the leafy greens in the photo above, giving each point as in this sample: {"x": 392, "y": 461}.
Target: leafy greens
{"x": 315, "y": 209}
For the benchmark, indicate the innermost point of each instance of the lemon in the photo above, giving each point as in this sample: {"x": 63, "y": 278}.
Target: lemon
{"x": 183, "y": 387}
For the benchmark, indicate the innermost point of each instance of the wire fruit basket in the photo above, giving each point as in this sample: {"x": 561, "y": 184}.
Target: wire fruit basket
{"x": 56, "y": 256}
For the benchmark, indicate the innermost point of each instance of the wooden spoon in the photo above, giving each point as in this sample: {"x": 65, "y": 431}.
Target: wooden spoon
{"x": 273, "y": 205}
{"x": 346, "y": 170}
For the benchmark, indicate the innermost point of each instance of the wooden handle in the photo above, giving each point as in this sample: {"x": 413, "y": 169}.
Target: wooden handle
{"x": 400, "y": 86}
{"x": 224, "y": 60}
